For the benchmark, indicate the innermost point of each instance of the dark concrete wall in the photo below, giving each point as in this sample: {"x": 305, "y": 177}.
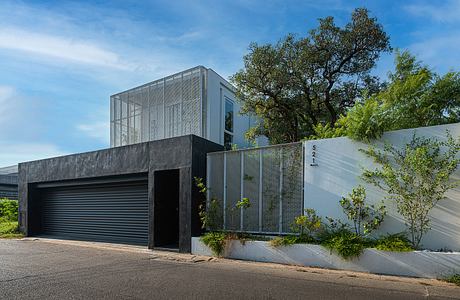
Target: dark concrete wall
{"x": 9, "y": 186}
{"x": 8, "y": 191}
{"x": 186, "y": 153}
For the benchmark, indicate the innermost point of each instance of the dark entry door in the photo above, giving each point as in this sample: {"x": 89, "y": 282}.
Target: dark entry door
{"x": 110, "y": 212}
{"x": 166, "y": 209}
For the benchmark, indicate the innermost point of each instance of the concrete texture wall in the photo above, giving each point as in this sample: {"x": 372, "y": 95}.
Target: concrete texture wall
{"x": 340, "y": 165}
{"x": 187, "y": 153}
{"x": 414, "y": 263}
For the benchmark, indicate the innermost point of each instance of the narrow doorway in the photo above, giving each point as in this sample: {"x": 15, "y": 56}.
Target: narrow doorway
{"x": 166, "y": 209}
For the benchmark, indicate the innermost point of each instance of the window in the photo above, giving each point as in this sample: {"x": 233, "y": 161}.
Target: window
{"x": 228, "y": 126}
{"x": 228, "y": 141}
{"x": 228, "y": 116}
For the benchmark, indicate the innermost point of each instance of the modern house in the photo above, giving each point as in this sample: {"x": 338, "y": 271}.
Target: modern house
{"x": 196, "y": 101}
{"x": 141, "y": 190}
{"x": 9, "y": 182}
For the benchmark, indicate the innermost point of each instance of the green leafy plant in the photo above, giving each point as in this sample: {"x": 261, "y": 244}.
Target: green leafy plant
{"x": 308, "y": 224}
{"x": 455, "y": 279}
{"x": 248, "y": 177}
{"x": 289, "y": 240}
{"x": 9, "y": 209}
{"x": 199, "y": 183}
{"x": 345, "y": 243}
{"x": 216, "y": 241}
{"x": 365, "y": 218}
{"x": 9, "y": 229}
{"x": 209, "y": 214}
{"x": 394, "y": 242}
{"x": 416, "y": 178}
{"x": 243, "y": 203}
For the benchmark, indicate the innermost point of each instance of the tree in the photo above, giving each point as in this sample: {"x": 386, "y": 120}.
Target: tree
{"x": 430, "y": 98}
{"x": 416, "y": 178}
{"x": 301, "y": 82}
{"x": 365, "y": 218}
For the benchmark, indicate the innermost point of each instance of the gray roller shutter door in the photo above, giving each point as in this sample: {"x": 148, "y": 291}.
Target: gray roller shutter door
{"x": 115, "y": 213}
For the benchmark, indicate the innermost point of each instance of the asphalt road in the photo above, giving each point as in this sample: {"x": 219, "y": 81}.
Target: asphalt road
{"x": 44, "y": 270}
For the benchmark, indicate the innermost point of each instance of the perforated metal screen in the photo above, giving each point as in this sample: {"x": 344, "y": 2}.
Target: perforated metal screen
{"x": 168, "y": 107}
{"x": 270, "y": 177}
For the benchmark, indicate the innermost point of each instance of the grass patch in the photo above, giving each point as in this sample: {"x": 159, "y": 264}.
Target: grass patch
{"x": 9, "y": 229}
{"x": 394, "y": 242}
{"x": 455, "y": 279}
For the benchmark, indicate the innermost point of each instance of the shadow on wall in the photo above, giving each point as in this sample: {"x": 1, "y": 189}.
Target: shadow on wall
{"x": 340, "y": 165}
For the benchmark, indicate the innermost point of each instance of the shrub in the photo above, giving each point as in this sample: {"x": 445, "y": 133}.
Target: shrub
{"x": 365, "y": 218}
{"x": 289, "y": 240}
{"x": 308, "y": 224}
{"x": 9, "y": 209}
{"x": 416, "y": 178}
{"x": 394, "y": 242}
{"x": 455, "y": 279}
{"x": 216, "y": 241}
{"x": 9, "y": 230}
{"x": 345, "y": 243}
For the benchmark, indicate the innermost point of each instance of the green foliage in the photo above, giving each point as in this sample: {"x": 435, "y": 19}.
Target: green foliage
{"x": 216, "y": 241}
{"x": 211, "y": 217}
{"x": 327, "y": 131}
{"x": 298, "y": 83}
{"x": 365, "y": 218}
{"x": 365, "y": 122}
{"x": 308, "y": 224}
{"x": 9, "y": 209}
{"x": 394, "y": 242}
{"x": 243, "y": 203}
{"x": 10, "y": 229}
{"x": 416, "y": 178}
{"x": 209, "y": 214}
{"x": 345, "y": 243}
{"x": 455, "y": 279}
{"x": 289, "y": 240}
{"x": 430, "y": 98}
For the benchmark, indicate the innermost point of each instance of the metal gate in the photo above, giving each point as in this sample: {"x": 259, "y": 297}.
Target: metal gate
{"x": 269, "y": 178}
{"x": 111, "y": 212}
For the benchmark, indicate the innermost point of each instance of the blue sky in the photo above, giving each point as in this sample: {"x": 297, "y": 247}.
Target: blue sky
{"x": 60, "y": 61}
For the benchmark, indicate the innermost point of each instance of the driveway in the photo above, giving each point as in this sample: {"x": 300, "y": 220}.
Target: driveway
{"x": 40, "y": 269}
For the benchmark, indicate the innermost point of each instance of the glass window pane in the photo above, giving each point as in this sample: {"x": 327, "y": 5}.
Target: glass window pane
{"x": 228, "y": 115}
{"x": 228, "y": 141}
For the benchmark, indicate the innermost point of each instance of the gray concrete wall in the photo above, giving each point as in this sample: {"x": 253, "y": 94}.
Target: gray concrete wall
{"x": 187, "y": 153}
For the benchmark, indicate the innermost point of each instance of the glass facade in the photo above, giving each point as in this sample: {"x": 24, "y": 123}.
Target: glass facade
{"x": 169, "y": 107}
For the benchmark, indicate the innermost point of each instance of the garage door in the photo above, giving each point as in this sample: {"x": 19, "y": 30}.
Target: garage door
{"x": 115, "y": 212}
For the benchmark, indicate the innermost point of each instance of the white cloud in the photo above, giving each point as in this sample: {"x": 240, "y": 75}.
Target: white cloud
{"x": 447, "y": 12}
{"x": 5, "y": 92}
{"x": 97, "y": 130}
{"x": 439, "y": 52}
{"x": 73, "y": 50}
{"x": 11, "y": 154}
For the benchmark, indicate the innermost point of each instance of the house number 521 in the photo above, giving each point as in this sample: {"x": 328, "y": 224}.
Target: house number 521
{"x": 313, "y": 156}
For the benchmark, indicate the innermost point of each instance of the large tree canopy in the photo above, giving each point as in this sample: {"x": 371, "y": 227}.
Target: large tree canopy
{"x": 300, "y": 82}
{"x": 414, "y": 96}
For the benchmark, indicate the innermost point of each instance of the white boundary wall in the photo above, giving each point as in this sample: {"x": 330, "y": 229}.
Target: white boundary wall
{"x": 416, "y": 263}
{"x": 339, "y": 166}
